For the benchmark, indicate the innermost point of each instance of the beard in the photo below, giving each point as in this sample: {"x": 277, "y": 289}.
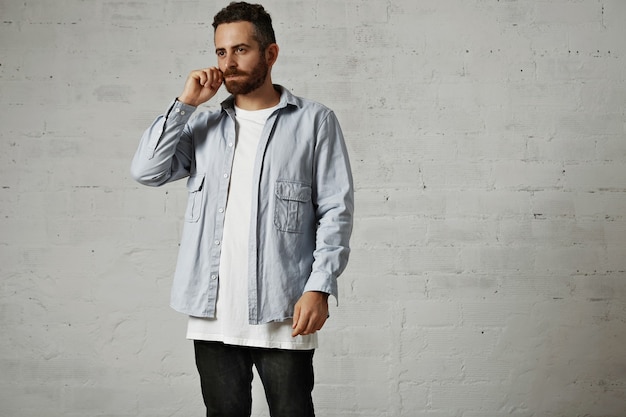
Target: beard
{"x": 250, "y": 80}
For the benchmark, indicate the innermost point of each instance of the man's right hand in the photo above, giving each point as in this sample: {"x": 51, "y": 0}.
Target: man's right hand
{"x": 201, "y": 86}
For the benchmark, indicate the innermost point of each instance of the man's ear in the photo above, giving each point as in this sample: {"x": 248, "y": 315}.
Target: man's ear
{"x": 271, "y": 54}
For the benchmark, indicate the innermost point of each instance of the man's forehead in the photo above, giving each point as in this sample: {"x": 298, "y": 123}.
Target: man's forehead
{"x": 236, "y": 33}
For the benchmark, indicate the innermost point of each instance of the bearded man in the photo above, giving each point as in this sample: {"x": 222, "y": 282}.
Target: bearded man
{"x": 267, "y": 224}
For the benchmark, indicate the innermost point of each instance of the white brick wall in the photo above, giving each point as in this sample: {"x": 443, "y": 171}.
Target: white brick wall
{"x": 488, "y": 140}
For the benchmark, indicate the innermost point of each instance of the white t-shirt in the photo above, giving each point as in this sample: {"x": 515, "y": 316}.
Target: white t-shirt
{"x": 230, "y": 324}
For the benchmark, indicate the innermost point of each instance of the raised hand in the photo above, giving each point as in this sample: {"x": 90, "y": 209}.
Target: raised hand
{"x": 201, "y": 86}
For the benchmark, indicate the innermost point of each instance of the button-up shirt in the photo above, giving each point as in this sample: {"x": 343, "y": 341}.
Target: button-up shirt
{"x": 301, "y": 221}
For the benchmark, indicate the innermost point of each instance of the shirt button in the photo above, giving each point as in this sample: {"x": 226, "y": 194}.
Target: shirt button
{"x": 213, "y": 277}
{"x": 177, "y": 110}
{"x": 221, "y": 210}
{"x": 182, "y": 112}
{"x": 225, "y": 175}
{"x": 230, "y": 144}
{"x": 217, "y": 242}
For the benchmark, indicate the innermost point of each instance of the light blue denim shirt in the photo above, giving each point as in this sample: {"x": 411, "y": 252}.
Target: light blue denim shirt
{"x": 301, "y": 219}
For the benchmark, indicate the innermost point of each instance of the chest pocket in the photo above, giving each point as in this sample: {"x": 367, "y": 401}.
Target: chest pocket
{"x": 292, "y": 201}
{"x": 195, "y": 190}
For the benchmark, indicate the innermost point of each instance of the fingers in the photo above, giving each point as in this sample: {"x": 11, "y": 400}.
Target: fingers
{"x": 296, "y": 316}
{"x": 201, "y": 85}
{"x": 208, "y": 77}
{"x": 308, "y": 324}
{"x": 300, "y": 327}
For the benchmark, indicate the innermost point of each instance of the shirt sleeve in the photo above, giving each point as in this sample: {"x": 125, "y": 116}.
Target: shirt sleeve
{"x": 165, "y": 149}
{"x": 333, "y": 194}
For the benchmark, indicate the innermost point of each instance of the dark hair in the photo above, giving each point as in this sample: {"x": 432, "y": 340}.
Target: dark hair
{"x": 253, "y": 13}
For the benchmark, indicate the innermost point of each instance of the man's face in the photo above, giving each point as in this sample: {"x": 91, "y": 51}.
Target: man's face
{"x": 238, "y": 56}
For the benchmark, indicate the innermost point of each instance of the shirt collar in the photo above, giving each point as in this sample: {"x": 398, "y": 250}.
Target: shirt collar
{"x": 286, "y": 98}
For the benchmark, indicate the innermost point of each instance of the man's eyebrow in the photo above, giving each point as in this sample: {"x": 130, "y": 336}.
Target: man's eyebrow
{"x": 239, "y": 45}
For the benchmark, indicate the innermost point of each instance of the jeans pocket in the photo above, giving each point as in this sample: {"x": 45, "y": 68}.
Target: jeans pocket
{"x": 291, "y": 201}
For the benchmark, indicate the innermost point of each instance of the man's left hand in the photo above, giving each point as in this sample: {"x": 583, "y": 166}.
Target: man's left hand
{"x": 310, "y": 314}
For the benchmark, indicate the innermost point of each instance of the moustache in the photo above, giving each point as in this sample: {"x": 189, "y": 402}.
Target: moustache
{"x": 230, "y": 72}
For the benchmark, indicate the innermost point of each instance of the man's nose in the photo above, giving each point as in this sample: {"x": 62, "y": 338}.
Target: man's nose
{"x": 230, "y": 61}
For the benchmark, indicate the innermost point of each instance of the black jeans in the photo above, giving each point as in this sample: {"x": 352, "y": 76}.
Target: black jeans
{"x": 226, "y": 379}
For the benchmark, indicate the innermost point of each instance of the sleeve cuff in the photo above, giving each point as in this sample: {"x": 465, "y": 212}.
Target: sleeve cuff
{"x": 179, "y": 110}
{"x": 322, "y": 283}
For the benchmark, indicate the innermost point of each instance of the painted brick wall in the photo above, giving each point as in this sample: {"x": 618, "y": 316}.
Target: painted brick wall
{"x": 488, "y": 141}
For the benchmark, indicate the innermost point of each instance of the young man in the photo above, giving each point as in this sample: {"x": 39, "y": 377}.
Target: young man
{"x": 267, "y": 224}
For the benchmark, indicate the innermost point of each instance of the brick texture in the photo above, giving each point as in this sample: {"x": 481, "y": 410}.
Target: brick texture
{"x": 488, "y": 142}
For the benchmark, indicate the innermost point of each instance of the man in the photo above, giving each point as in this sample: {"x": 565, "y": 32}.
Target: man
{"x": 267, "y": 224}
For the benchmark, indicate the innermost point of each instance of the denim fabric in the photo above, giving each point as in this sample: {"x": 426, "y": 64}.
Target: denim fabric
{"x": 302, "y": 217}
{"x": 226, "y": 379}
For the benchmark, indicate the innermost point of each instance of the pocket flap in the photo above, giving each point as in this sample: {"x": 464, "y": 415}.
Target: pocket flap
{"x": 195, "y": 182}
{"x": 296, "y": 191}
